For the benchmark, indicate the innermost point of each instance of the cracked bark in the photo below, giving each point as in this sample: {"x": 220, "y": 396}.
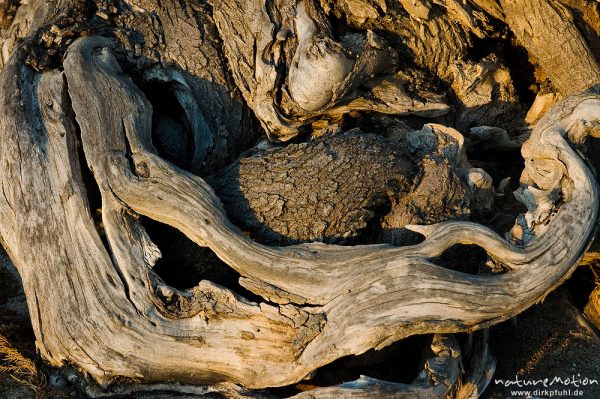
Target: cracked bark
{"x": 354, "y": 185}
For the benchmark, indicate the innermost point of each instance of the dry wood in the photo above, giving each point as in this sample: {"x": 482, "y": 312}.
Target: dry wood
{"x": 481, "y": 367}
{"x": 68, "y": 105}
{"x": 291, "y": 71}
{"x": 569, "y": 62}
{"x": 122, "y": 321}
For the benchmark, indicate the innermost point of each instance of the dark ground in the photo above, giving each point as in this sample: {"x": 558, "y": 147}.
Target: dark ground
{"x": 549, "y": 340}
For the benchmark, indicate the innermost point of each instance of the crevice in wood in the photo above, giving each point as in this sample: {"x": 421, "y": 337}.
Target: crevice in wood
{"x": 92, "y": 191}
{"x": 184, "y": 264}
{"x": 522, "y": 70}
{"x": 519, "y": 63}
{"x": 499, "y": 164}
{"x": 581, "y": 284}
{"x": 470, "y": 259}
{"x": 400, "y": 362}
{"x": 171, "y": 131}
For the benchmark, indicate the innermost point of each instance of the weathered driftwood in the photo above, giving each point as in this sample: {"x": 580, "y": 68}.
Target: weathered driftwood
{"x": 94, "y": 299}
{"x": 121, "y": 321}
{"x": 440, "y": 374}
{"x": 292, "y": 71}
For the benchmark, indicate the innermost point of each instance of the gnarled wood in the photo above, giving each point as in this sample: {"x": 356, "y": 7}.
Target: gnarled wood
{"x": 210, "y": 334}
{"x": 291, "y": 71}
{"x": 118, "y": 106}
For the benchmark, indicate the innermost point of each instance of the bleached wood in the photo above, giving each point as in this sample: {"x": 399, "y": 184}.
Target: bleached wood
{"x": 103, "y": 309}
